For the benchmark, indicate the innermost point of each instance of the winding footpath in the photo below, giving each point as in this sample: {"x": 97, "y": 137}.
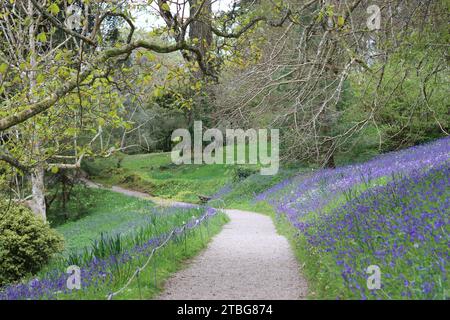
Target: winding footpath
{"x": 246, "y": 260}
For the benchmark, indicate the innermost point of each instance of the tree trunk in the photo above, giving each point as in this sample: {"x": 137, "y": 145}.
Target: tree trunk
{"x": 38, "y": 191}
{"x": 201, "y": 30}
{"x": 37, "y": 175}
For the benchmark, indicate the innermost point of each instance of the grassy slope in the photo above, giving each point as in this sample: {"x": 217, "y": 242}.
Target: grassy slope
{"x": 112, "y": 213}
{"x": 166, "y": 262}
{"x": 243, "y": 192}
{"x": 320, "y": 284}
{"x": 320, "y": 268}
{"x": 325, "y": 274}
{"x": 105, "y": 212}
{"x": 156, "y": 175}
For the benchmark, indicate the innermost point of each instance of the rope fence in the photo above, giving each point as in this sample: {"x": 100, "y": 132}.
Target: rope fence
{"x": 175, "y": 232}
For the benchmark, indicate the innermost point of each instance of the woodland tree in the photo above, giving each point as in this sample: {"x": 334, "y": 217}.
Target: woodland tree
{"x": 326, "y": 78}
{"x": 61, "y": 84}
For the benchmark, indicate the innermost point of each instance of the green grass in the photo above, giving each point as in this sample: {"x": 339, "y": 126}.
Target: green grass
{"x": 154, "y": 173}
{"x": 244, "y": 191}
{"x": 319, "y": 269}
{"x": 99, "y": 222}
{"x": 113, "y": 224}
{"x": 157, "y": 175}
{"x": 104, "y": 211}
{"x": 151, "y": 280}
{"x": 346, "y": 196}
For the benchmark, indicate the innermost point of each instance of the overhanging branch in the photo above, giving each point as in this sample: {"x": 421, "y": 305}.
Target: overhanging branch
{"x": 40, "y": 106}
{"x": 250, "y": 25}
{"x": 6, "y": 157}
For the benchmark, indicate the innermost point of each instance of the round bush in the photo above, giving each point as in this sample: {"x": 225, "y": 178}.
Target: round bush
{"x": 26, "y": 242}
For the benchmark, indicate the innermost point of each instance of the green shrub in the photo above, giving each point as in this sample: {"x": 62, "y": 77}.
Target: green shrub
{"x": 26, "y": 242}
{"x": 241, "y": 173}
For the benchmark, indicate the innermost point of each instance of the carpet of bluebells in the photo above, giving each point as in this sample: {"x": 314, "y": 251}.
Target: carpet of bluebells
{"x": 397, "y": 219}
{"x": 111, "y": 271}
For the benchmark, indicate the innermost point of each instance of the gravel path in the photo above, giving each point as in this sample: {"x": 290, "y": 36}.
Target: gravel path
{"x": 246, "y": 260}
{"x": 138, "y": 194}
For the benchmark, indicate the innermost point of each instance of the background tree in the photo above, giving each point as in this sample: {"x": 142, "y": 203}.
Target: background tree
{"x": 332, "y": 84}
{"x": 62, "y": 84}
